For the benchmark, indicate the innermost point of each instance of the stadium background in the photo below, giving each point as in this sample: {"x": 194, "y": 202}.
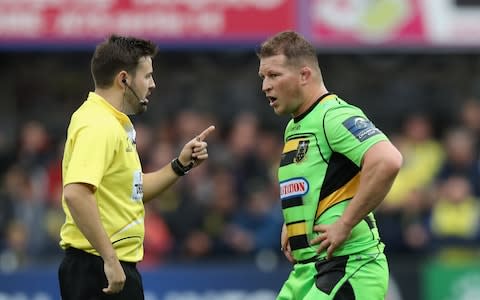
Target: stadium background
{"x": 412, "y": 65}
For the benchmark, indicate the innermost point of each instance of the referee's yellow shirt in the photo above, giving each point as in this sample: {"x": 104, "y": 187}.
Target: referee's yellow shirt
{"x": 100, "y": 150}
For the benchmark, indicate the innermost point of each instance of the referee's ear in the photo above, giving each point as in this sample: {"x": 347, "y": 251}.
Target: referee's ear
{"x": 121, "y": 79}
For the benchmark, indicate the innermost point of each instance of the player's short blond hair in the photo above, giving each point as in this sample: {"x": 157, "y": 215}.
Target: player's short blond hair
{"x": 297, "y": 50}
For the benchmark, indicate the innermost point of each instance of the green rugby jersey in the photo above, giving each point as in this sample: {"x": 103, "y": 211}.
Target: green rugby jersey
{"x": 320, "y": 172}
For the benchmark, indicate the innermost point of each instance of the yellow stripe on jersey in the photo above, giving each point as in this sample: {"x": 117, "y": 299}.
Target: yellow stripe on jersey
{"x": 347, "y": 191}
{"x": 292, "y": 145}
{"x": 296, "y": 229}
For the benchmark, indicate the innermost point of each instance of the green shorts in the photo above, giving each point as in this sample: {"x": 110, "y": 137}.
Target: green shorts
{"x": 353, "y": 277}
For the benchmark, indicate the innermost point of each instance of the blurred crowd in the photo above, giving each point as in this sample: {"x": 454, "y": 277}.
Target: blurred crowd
{"x": 229, "y": 208}
{"x": 434, "y": 204}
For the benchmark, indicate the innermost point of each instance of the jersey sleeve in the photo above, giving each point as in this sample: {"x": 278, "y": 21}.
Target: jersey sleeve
{"x": 350, "y": 132}
{"x": 93, "y": 149}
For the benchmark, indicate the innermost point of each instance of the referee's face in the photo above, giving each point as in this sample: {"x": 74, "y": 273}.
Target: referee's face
{"x": 141, "y": 87}
{"x": 280, "y": 83}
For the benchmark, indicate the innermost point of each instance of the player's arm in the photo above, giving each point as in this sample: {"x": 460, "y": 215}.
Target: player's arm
{"x": 350, "y": 133}
{"x": 82, "y": 204}
{"x": 195, "y": 151}
{"x": 381, "y": 164}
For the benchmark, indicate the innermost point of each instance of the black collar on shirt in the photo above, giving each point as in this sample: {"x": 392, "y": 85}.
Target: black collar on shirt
{"x": 302, "y": 115}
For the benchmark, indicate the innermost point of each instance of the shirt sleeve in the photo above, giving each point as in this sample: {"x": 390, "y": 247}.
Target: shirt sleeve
{"x": 351, "y": 133}
{"x": 92, "y": 151}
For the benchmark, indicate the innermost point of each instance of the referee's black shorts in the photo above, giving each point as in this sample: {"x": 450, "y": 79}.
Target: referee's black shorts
{"x": 82, "y": 277}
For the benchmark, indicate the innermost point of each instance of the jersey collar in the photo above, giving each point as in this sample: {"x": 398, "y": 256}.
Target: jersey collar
{"x": 302, "y": 115}
{"x": 99, "y": 100}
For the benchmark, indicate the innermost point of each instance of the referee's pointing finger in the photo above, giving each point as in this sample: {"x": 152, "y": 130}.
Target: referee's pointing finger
{"x": 205, "y": 133}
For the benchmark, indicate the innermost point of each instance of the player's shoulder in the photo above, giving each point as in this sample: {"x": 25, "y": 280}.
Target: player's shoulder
{"x": 339, "y": 107}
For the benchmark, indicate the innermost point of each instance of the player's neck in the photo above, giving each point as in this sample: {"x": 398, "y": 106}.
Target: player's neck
{"x": 318, "y": 92}
{"x": 312, "y": 96}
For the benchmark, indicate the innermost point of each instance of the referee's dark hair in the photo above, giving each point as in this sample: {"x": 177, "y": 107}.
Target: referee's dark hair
{"x": 118, "y": 53}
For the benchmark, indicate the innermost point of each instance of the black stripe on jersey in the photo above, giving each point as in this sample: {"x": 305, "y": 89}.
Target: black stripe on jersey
{"x": 298, "y": 242}
{"x": 340, "y": 171}
{"x": 291, "y": 202}
{"x": 128, "y": 237}
{"x": 303, "y": 135}
{"x": 370, "y": 222}
{"x": 296, "y": 222}
{"x": 287, "y": 158}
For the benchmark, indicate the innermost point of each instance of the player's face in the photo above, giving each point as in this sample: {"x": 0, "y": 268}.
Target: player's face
{"x": 281, "y": 84}
{"x": 142, "y": 84}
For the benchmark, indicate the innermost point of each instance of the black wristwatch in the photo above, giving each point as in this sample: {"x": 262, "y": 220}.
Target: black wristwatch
{"x": 180, "y": 169}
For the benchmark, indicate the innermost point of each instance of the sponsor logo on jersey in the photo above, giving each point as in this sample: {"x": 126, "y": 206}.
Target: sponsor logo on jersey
{"x": 361, "y": 128}
{"x": 301, "y": 151}
{"x": 295, "y": 187}
{"x": 137, "y": 186}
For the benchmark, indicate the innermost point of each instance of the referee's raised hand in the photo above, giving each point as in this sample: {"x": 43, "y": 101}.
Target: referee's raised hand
{"x": 195, "y": 151}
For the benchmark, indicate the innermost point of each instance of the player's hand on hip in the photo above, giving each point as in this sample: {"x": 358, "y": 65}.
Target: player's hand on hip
{"x": 285, "y": 245}
{"x": 331, "y": 236}
{"x": 115, "y": 276}
{"x": 196, "y": 149}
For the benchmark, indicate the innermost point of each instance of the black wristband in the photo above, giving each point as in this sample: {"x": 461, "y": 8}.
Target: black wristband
{"x": 180, "y": 169}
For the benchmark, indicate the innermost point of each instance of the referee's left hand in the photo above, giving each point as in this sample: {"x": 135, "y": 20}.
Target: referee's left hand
{"x": 115, "y": 276}
{"x": 196, "y": 149}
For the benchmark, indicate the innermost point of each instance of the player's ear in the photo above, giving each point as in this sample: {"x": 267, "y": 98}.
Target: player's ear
{"x": 305, "y": 74}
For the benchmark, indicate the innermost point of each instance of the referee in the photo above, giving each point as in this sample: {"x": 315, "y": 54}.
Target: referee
{"x": 104, "y": 188}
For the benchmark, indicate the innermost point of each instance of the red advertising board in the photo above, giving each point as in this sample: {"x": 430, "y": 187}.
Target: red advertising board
{"x": 357, "y": 22}
{"x": 182, "y": 20}
{"x": 327, "y": 23}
